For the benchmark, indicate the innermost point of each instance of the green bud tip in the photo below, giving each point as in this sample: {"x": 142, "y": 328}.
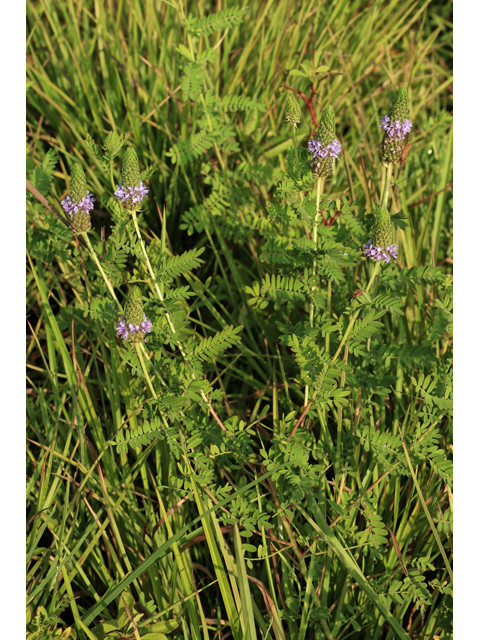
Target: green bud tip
{"x": 134, "y": 306}
{"x": 382, "y": 231}
{"x": 326, "y": 126}
{"x": 399, "y": 106}
{"x": 130, "y": 168}
{"x": 78, "y": 184}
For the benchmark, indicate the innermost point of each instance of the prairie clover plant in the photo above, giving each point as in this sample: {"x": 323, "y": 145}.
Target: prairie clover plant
{"x": 270, "y": 409}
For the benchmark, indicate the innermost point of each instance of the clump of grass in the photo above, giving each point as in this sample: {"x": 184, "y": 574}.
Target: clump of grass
{"x": 275, "y": 460}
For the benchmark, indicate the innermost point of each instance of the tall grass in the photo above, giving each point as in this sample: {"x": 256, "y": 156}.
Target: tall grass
{"x": 113, "y": 541}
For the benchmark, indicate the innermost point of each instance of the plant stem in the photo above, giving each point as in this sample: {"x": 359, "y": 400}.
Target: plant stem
{"x": 329, "y": 309}
{"x": 320, "y": 183}
{"x": 107, "y": 281}
{"x": 139, "y": 349}
{"x": 386, "y": 178}
{"x": 111, "y": 175}
{"x": 295, "y": 141}
{"x": 355, "y": 316}
{"x": 172, "y": 328}
{"x": 157, "y": 288}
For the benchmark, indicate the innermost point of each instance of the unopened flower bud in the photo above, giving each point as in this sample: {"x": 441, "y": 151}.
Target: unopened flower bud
{"x": 324, "y": 148}
{"x": 80, "y": 201}
{"x": 293, "y": 113}
{"x": 113, "y": 144}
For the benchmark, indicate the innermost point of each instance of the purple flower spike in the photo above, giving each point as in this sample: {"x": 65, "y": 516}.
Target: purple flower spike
{"x": 380, "y": 254}
{"x": 319, "y": 150}
{"x": 125, "y": 331}
{"x": 85, "y": 205}
{"x": 397, "y": 128}
{"x": 133, "y": 194}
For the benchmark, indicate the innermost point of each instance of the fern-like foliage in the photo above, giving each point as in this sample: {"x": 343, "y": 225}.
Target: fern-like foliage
{"x": 213, "y": 346}
{"x": 225, "y": 19}
{"x": 427, "y": 386}
{"x": 363, "y": 329}
{"x": 185, "y": 152}
{"x": 232, "y": 103}
{"x": 176, "y": 266}
{"x": 41, "y": 176}
{"x": 192, "y": 82}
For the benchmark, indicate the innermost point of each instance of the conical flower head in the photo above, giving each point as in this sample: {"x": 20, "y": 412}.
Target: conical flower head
{"x": 293, "y": 113}
{"x": 399, "y": 106}
{"x": 113, "y": 143}
{"x": 382, "y": 232}
{"x": 131, "y": 191}
{"x": 134, "y": 325}
{"x": 78, "y": 184}
{"x": 130, "y": 169}
{"x": 134, "y": 306}
{"x": 80, "y": 201}
{"x": 380, "y": 247}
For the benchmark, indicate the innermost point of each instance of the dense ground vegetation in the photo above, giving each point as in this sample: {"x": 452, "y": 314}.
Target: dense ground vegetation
{"x": 275, "y": 462}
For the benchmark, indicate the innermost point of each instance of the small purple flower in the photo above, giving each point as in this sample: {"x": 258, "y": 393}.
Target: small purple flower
{"x": 120, "y": 193}
{"x": 146, "y": 325}
{"x": 319, "y": 150}
{"x": 133, "y": 194}
{"x": 85, "y": 204}
{"x": 122, "y": 330}
{"x": 397, "y": 128}
{"x": 377, "y": 253}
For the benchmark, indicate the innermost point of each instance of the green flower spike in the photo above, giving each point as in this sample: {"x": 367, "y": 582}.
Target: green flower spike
{"x": 293, "y": 113}
{"x": 396, "y": 125}
{"x": 324, "y": 148}
{"x": 134, "y": 325}
{"x": 380, "y": 247}
{"x": 131, "y": 191}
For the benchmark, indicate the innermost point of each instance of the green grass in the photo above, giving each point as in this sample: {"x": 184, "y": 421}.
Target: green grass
{"x": 113, "y": 535}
